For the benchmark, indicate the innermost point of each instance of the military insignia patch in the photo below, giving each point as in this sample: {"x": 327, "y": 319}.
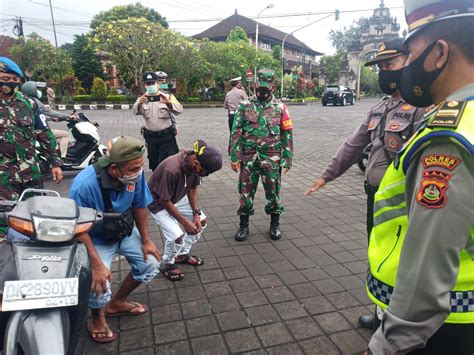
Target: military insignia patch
{"x": 448, "y": 115}
{"x": 406, "y": 107}
{"x": 432, "y": 192}
{"x": 392, "y": 142}
{"x": 286, "y": 121}
{"x": 3, "y": 67}
{"x": 371, "y": 124}
{"x": 131, "y": 187}
{"x": 394, "y": 126}
{"x": 443, "y": 161}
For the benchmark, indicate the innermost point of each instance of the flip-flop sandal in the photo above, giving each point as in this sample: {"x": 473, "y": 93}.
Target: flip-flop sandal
{"x": 104, "y": 339}
{"x": 172, "y": 272}
{"x": 128, "y": 311}
{"x": 187, "y": 260}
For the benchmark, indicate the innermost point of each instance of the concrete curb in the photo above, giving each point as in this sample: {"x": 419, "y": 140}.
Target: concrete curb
{"x": 89, "y": 106}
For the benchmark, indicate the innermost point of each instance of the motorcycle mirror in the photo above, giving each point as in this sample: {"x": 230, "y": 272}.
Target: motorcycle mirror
{"x": 40, "y": 84}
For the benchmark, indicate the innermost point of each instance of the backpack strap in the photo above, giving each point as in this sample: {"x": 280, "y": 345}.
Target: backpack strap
{"x": 104, "y": 192}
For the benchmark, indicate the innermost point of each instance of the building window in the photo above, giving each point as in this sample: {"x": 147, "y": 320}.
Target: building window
{"x": 266, "y": 45}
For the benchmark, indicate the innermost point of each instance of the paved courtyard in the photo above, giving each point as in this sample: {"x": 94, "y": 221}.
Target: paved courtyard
{"x": 302, "y": 294}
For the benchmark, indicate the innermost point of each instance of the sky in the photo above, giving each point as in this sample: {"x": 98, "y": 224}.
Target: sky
{"x": 186, "y": 17}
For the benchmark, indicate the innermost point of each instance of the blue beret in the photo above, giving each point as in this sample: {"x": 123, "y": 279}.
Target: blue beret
{"x": 9, "y": 66}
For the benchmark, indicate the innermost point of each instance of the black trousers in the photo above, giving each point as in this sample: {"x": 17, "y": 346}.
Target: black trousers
{"x": 160, "y": 148}
{"x": 450, "y": 339}
{"x": 370, "y": 191}
{"x": 230, "y": 120}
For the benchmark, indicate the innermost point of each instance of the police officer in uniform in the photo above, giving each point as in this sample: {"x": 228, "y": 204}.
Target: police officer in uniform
{"x": 261, "y": 144}
{"x": 158, "y": 107}
{"x": 421, "y": 251}
{"x": 233, "y": 99}
{"x": 388, "y": 126}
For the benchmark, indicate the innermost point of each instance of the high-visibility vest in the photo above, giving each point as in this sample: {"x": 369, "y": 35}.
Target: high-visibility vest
{"x": 391, "y": 222}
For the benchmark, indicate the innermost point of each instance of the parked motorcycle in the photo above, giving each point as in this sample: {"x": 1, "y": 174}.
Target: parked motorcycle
{"x": 85, "y": 148}
{"x": 47, "y": 303}
{"x": 84, "y": 145}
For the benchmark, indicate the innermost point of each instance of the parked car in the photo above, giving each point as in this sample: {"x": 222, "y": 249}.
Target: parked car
{"x": 338, "y": 94}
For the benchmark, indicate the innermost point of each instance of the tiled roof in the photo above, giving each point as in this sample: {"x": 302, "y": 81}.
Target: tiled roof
{"x": 221, "y": 30}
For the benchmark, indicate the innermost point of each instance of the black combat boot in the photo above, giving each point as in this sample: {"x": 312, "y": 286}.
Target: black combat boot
{"x": 275, "y": 233}
{"x": 243, "y": 231}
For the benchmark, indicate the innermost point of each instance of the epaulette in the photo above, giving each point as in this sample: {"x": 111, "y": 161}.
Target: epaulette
{"x": 448, "y": 114}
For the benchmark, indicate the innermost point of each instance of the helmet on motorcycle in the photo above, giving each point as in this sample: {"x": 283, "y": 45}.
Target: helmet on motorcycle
{"x": 30, "y": 89}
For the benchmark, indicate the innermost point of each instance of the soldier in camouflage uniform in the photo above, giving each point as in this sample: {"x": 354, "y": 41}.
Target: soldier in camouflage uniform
{"x": 20, "y": 129}
{"x": 261, "y": 144}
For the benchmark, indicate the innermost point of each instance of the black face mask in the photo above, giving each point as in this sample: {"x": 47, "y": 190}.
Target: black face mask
{"x": 8, "y": 88}
{"x": 416, "y": 82}
{"x": 263, "y": 93}
{"x": 389, "y": 81}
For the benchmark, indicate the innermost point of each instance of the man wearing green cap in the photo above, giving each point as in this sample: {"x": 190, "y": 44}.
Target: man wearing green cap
{"x": 261, "y": 144}
{"x": 421, "y": 251}
{"x": 117, "y": 184}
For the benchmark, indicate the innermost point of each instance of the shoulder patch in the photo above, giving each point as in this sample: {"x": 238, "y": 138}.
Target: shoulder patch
{"x": 440, "y": 160}
{"x": 432, "y": 191}
{"x": 286, "y": 121}
{"x": 448, "y": 115}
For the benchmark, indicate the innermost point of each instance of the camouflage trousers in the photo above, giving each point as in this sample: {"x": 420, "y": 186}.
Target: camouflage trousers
{"x": 250, "y": 172}
{"x": 12, "y": 192}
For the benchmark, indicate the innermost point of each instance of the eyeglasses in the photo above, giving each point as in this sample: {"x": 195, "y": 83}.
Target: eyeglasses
{"x": 9, "y": 79}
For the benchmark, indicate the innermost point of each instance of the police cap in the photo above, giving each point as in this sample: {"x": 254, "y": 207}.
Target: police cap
{"x": 389, "y": 50}
{"x": 421, "y": 13}
{"x": 150, "y": 76}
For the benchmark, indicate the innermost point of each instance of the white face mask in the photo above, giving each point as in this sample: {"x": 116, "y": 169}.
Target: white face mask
{"x": 39, "y": 94}
{"x": 131, "y": 179}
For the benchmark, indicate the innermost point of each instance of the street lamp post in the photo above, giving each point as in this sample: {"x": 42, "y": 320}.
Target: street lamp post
{"x": 283, "y": 47}
{"x": 269, "y": 6}
{"x": 56, "y": 43}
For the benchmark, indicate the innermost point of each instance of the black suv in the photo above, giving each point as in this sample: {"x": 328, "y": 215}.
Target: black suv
{"x": 338, "y": 94}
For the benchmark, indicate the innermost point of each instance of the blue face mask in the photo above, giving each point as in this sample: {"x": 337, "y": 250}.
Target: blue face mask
{"x": 152, "y": 89}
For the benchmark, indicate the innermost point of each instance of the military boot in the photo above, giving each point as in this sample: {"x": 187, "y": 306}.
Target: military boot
{"x": 275, "y": 233}
{"x": 243, "y": 231}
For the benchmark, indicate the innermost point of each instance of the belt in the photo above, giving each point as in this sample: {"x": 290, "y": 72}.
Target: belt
{"x": 231, "y": 112}
{"x": 160, "y": 133}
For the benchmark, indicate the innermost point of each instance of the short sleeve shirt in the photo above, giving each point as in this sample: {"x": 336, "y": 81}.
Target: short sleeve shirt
{"x": 171, "y": 181}
{"x": 85, "y": 190}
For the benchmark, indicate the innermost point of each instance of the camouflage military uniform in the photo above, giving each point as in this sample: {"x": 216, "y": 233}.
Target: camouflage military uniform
{"x": 19, "y": 131}
{"x": 262, "y": 141}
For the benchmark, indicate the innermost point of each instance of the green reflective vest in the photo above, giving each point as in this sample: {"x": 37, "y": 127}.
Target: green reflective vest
{"x": 391, "y": 222}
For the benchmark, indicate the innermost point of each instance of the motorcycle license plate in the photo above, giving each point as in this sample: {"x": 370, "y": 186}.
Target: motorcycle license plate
{"x": 36, "y": 294}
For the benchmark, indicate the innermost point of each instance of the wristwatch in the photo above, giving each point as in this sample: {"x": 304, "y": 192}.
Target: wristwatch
{"x": 197, "y": 212}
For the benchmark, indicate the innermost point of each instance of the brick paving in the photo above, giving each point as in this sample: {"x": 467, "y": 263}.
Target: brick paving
{"x": 300, "y": 295}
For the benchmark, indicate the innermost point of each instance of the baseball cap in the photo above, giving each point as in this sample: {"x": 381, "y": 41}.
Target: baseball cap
{"x": 209, "y": 157}
{"x": 122, "y": 149}
{"x": 389, "y": 50}
{"x": 265, "y": 77}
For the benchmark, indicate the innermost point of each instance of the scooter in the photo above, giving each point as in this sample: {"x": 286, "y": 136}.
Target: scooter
{"x": 85, "y": 148}
{"x": 46, "y": 305}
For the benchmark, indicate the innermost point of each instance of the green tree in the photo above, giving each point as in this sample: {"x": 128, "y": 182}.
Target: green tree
{"x": 37, "y": 55}
{"x": 331, "y": 66}
{"x": 124, "y": 12}
{"x": 369, "y": 81}
{"x": 237, "y": 34}
{"x": 99, "y": 89}
{"x": 85, "y": 62}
